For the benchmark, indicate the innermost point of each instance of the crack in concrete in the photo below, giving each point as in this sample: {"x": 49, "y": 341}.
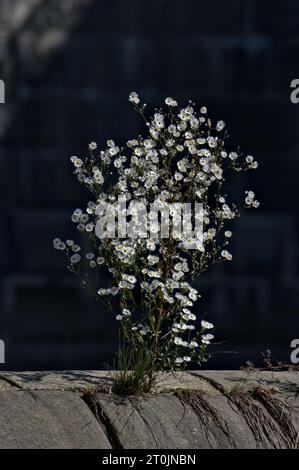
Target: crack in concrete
{"x": 103, "y": 420}
{"x": 11, "y": 382}
{"x": 207, "y": 415}
{"x": 210, "y": 381}
{"x": 262, "y": 413}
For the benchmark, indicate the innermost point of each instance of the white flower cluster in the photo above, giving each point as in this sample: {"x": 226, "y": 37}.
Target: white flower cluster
{"x": 250, "y": 200}
{"x": 182, "y": 158}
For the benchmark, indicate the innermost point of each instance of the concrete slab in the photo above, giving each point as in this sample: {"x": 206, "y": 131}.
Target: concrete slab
{"x": 189, "y": 410}
{"x": 166, "y": 421}
{"x": 76, "y": 380}
{"x": 48, "y": 420}
{"x": 284, "y": 382}
{"x": 183, "y": 381}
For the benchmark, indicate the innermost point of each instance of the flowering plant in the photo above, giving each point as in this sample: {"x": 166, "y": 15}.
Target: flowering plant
{"x": 181, "y": 160}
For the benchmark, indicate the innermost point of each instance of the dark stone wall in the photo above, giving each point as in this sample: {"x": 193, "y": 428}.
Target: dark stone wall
{"x": 68, "y": 68}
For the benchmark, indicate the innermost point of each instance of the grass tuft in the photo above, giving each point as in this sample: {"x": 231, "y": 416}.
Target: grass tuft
{"x": 134, "y": 374}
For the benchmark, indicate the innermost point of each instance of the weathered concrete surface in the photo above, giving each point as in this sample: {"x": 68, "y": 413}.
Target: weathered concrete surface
{"x": 55, "y": 380}
{"x": 164, "y": 421}
{"x": 44, "y": 419}
{"x": 284, "y": 382}
{"x": 4, "y": 385}
{"x": 80, "y": 380}
{"x": 191, "y": 410}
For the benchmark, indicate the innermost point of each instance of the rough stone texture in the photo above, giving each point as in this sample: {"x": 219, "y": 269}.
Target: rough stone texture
{"x": 197, "y": 410}
{"x": 56, "y": 380}
{"x": 283, "y": 382}
{"x": 163, "y": 422}
{"x": 48, "y": 420}
{"x": 80, "y": 380}
{"x": 151, "y": 422}
{"x": 4, "y": 385}
{"x": 183, "y": 381}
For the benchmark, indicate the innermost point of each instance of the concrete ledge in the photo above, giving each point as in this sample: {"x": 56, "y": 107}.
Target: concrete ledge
{"x": 190, "y": 410}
